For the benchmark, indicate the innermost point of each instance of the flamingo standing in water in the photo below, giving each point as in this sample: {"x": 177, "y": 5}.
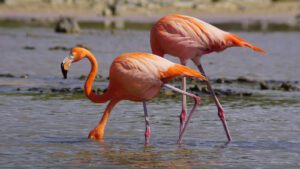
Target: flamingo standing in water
{"x": 187, "y": 37}
{"x": 133, "y": 76}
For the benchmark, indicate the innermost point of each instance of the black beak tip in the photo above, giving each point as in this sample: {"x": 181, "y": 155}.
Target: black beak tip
{"x": 63, "y": 71}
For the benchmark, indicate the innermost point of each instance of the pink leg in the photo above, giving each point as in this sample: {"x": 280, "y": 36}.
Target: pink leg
{"x": 183, "y": 111}
{"x": 221, "y": 113}
{"x": 197, "y": 101}
{"x": 147, "y": 124}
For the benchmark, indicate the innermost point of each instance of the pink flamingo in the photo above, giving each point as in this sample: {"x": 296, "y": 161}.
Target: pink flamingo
{"x": 187, "y": 37}
{"x": 133, "y": 76}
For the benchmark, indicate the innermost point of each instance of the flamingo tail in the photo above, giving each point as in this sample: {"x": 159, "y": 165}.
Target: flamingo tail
{"x": 180, "y": 70}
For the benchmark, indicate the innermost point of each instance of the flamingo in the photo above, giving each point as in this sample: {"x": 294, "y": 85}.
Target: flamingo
{"x": 133, "y": 76}
{"x": 187, "y": 37}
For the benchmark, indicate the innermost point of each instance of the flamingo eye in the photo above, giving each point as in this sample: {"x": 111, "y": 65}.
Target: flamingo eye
{"x": 71, "y": 56}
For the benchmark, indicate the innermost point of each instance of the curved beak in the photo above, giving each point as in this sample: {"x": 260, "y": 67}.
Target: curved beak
{"x": 63, "y": 70}
{"x": 66, "y": 64}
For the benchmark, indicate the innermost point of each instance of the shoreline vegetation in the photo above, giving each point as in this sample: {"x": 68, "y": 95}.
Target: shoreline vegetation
{"x": 251, "y": 15}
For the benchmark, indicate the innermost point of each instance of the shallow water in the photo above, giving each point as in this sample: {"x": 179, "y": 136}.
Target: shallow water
{"x": 39, "y": 132}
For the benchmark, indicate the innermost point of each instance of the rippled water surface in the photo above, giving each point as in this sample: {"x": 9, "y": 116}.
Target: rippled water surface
{"x": 39, "y": 132}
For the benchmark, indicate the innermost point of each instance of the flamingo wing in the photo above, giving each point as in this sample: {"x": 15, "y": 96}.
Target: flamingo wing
{"x": 139, "y": 76}
{"x": 186, "y": 37}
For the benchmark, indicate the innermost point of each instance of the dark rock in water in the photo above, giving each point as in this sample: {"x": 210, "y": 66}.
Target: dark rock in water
{"x": 63, "y": 48}
{"x": 264, "y": 86}
{"x": 67, "y": 25}
{"x": 53, "y": 90}
{"x": 222, "y": 80}
{"x": 246, "y": 94}
{"x": 35, "y": 89}
{"x": 25, "y": 76}
{"x": 244, "y": 79}
{"x": 287, "y": 86}
{"x": 7, "y": 75}
{"x": 29, "y": 47}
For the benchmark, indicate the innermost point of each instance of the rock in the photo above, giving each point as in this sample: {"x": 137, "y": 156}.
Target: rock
{"x": 246, "y": 94}
{"x": 67, "y": 25}
{"x": 119, "y": 10}
{"x": 264, "y": 86}
{"x": 25, "y": 76}
{"x": 244, "y": 79}
{"x": 7, "y": 75}
{"x": 29, "y": 47}
{"x": 35, "y": 89}
{"x": 287, "y": 86}
{"x": 63, "y": 48}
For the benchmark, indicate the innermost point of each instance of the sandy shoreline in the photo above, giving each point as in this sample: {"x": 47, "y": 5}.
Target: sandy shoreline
{"x": 285, "y": 13}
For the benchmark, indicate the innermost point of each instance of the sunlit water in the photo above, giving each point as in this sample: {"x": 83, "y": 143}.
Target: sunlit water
{"x": 39, "y": 133}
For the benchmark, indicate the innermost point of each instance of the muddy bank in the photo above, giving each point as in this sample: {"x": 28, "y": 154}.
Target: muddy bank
{"x": 242, "y": 87}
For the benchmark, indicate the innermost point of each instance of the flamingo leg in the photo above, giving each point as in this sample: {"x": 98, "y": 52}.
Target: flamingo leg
{"x": 147, "y": 124}
{"x": 183, "y": 110}
{"x": 221, "y": 113}
{"x": 197, "y": 101}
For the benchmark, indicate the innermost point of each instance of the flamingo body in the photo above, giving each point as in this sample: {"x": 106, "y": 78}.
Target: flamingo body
{"x": 187, "y": 37}
{"x": 133, "y": 76}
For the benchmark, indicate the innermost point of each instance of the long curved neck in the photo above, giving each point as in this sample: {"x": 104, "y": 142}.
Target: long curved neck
{"x": 90, "y": 80}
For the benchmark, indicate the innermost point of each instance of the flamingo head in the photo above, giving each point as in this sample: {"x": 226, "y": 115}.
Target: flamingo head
{"x": 76, "y": 54}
